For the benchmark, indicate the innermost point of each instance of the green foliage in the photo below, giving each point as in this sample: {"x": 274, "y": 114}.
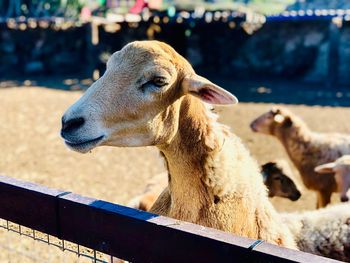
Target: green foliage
{"x": 270, "y": 6}
{"x": 261, "y": 6}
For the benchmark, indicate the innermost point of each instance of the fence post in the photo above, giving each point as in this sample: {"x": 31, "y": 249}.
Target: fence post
{"x": 333, "y": 54}
{"x": 92, "y": 41}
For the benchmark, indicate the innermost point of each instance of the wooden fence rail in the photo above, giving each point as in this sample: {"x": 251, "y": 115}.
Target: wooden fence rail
{"x": 128, "y": 233}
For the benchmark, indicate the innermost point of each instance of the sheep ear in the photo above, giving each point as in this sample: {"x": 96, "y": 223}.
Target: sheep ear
{"x": 325, "y": 168}
{"x": 207, "y": 91}
{"x": 276, "y": 110}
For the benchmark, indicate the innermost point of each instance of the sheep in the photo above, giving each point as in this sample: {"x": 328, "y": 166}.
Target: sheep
{"x": 151, "y": 96}
{"x": 324, "y": 232}
{"x": 341, "y": 170}
{"x": 277, "y": 181}
{"x": 274, "y": 177}
{"x": 153, "y": 189}
{"x": 305, "y": 148}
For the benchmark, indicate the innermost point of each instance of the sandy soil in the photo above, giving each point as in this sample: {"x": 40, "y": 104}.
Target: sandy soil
{"x": 32, "y": 150}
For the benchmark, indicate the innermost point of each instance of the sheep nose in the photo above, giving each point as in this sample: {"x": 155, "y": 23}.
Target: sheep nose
{"x": 344, "y": 198}
{"x": 72, "y": 124}
{"x": 296, "y": 196}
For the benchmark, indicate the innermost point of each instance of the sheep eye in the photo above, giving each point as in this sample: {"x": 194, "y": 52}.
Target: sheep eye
{"x": 158, "y": 81}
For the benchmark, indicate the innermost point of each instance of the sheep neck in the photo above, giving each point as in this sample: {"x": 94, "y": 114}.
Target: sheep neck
{"x": 187, "y": 157}
{"x": 296, "y": 140}
{"x": 214, "y": 182}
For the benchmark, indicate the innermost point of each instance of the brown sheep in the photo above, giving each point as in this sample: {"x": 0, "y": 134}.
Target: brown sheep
{"x": 151, "y": 96}
{"x": 306, "y": 149}
{"x": 278, "y": 183}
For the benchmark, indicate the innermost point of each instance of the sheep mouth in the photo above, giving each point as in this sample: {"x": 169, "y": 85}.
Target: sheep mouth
{"x": 84, "y": 146}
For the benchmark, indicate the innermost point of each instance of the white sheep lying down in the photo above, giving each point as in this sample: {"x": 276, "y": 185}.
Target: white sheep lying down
{"x": 324, "y": 232}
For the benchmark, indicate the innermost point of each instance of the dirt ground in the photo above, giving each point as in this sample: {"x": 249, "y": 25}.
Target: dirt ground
{"x": 31, "y": 149}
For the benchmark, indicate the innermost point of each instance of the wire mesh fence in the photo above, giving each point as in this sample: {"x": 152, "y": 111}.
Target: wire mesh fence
{"x": 59, "y": 250}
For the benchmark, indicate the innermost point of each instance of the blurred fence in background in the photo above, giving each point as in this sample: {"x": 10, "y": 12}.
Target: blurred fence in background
{"x": 303, "y": 40}
{"x": 60, "y": 8}
{"x": 39, "y": 8}
{"x": 72, "y": 8}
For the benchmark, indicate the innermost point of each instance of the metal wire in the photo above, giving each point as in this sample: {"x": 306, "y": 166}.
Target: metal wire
{"x": 78, "y": 250}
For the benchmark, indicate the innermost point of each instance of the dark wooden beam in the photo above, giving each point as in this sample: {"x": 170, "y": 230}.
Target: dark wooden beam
{"x": 333, "y": 54}
{"x": 128, "y": 233}
{"x": 29, "y": 204}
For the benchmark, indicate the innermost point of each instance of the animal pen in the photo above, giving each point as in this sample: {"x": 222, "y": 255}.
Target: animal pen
{"x": 100, "y": 230}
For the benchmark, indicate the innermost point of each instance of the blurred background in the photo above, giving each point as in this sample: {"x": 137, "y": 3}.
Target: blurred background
{"x": 258, "y": 43}
{"x": 266, "y": 52}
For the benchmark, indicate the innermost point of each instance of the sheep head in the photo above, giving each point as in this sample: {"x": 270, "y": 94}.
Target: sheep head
{"x": 340, "y": 169}
{"x": 268, "y": 122}
{"x": 135, "y": 102}
{"x": 278, "y": 183}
